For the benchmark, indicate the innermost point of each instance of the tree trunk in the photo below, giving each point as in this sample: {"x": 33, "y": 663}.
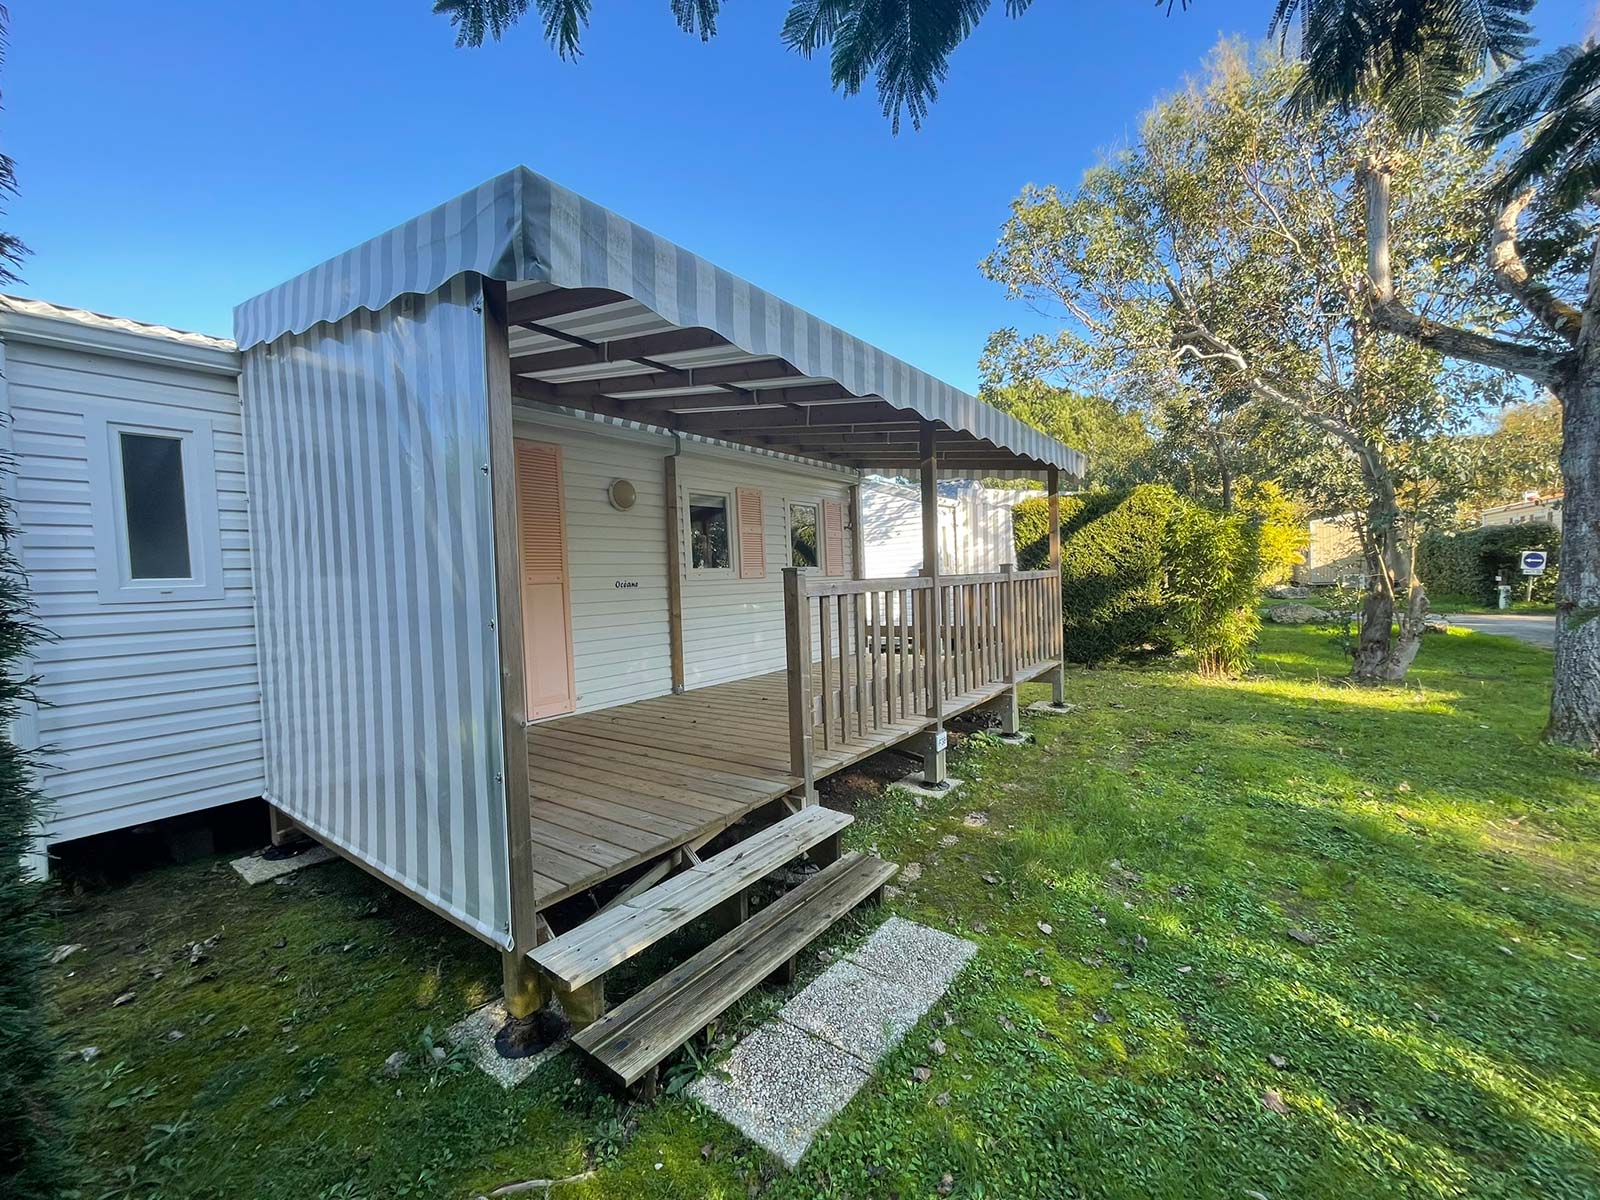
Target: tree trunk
{"x": 1575, "y": 700}
{"x": 1383, "y": 655}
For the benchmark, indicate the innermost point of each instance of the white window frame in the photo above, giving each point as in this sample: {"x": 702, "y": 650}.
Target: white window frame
{"x": 113, "y": 568}
{"x": 731, "y": 571}
{"x": 788, "y": 535}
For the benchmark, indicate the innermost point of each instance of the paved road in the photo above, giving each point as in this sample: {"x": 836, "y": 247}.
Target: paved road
{"x": 1537, "y": 629}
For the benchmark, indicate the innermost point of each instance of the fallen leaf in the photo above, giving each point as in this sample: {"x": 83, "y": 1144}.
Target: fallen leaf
{"x": 1270, "y": 1099}
{"x": 922, "y": 1074}
{"x": 62, "y": 953}
{"x": 1278, "y": 1061}
{"x": 1184, "y": 970}
{"x": 1304, "y": 937}
{"x": 705, "y": 1152}
{"x": 947, "y": 1184}
{"x": 1046, "y": 928}
{"x": 938, "y": 1047}
{"x": 125, "y": 998}
{"x": 942, "y": 1099}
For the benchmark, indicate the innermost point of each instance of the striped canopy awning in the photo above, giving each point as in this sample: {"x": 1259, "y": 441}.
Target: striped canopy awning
{"x": 610, "y": 319}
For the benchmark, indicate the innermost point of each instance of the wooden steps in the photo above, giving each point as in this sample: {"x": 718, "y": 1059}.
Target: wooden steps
{"x": 584, "y": 954}
{"x": 632, "y": 1039}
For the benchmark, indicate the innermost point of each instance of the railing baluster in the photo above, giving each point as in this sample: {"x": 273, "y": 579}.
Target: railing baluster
{"x": 825, "y": 634}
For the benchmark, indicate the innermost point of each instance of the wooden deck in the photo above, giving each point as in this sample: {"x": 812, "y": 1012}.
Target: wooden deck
{"x": 616, "y": 788}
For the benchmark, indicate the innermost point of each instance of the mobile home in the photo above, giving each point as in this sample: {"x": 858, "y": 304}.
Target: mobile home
{"x": 556, "y": 556}
{"x": 133, "y": 529}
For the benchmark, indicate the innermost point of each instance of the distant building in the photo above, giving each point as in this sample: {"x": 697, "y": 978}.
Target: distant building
{"x": 1532, "y": 509}
{"x": 1333, "y": 553}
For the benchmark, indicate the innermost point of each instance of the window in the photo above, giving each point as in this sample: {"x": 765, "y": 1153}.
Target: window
{"x": 803, "y": 534}
{"x": 157, "y": 523}
{"x": 709, "y": 544}
{"x": 156, "y": 520}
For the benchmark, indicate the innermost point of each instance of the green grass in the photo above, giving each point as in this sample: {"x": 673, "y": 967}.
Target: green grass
{"x": 1441, "y": 1036}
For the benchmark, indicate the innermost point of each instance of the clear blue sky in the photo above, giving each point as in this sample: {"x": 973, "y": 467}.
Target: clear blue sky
{"x": 176, "y": 158}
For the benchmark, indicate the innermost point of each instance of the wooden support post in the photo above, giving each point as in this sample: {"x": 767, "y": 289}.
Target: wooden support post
{"x": 1058, "y": 677}
{"x": 732, "y": 912}
{"x": 674, "y": 575}
{"x": 281, "y": 829}
{"x": 933, "y": 633}
{"x": 584, "y": 1005}
{"x": 797, "y": 642}
{"x": 524, "y": 992}
{"x": 1010, "y": 721}
{"x": 858, "y": 535}
{"x": 826, "y": 852}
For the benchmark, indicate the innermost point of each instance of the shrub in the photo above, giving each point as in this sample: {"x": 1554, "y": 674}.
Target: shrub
{"x": 33, "y": 1161}
{"x": 1214, "y": 565}
{"x": 1146, "y": 572}
{"x": 1111, "y": 568}
{"x": 1465, "y": 563}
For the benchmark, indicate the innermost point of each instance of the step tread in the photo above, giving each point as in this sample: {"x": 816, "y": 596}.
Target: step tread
{"x": 588, "y": 951}
{"x": 636, "y": 1035}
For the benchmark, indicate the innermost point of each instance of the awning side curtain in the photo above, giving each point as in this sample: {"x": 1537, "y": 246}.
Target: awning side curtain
{"x": 521, "y": 227}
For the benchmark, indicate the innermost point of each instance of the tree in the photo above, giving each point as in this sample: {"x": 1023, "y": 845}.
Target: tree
{"x": 1521, "y": 454}
{"x": 1416, "y": 54}
{"x": 1112, "y": 440}
{"x": 31, "y": 1109}
{"x": 1222, "y": 255}
{"x": 1550, "y": 336}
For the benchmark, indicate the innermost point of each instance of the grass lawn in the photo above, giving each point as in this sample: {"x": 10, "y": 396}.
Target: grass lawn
{"x": 1272, "y": 938}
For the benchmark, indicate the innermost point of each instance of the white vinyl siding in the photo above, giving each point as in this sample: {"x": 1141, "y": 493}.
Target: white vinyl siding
{"x": 733, "y": 627}
{"x": 616, "y": 561}
{"x": 150, "y": 708}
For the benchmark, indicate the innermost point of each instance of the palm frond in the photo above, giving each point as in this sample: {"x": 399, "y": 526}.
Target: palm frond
{"x": 476, "y": 20}
{"x": 1415, "y": 54}
{"x": 697, "y": 16}
{"x": 1555, "y": 102}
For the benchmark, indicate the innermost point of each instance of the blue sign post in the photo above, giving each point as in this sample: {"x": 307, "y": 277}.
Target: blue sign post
{"x": 1533, "y": 562}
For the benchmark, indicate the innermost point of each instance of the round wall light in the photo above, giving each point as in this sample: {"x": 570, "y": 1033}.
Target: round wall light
{"x": 622, "y": 494}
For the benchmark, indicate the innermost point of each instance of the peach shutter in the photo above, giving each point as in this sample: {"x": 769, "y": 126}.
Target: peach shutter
{"x": 832, "y": 537}
{"x": 547, "y": 625}
{"x": 752, "y": 534}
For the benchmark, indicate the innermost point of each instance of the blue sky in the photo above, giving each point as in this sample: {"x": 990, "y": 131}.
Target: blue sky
{"x": 176, "y": 158}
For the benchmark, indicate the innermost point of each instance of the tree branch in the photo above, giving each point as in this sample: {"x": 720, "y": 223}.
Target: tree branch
{"x": 1511, "y": 273}
{"x": 1542, "y": 366}
{"x": 1532, "y": 362}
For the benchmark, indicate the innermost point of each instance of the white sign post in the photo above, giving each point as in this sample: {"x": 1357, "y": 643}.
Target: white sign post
{"x": 1533, "y": 564}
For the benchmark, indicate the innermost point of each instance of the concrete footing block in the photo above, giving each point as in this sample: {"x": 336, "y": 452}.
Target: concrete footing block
{"x": 254, "y": 868}
{"x": 475, "y": 1033}
{"x": 914, "y": 786}
{"x": 1051, "y": 709}
{"x": 1021, "y": 738}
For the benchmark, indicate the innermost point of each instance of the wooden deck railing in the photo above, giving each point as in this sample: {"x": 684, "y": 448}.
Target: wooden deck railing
{"x": 863, "y": 653}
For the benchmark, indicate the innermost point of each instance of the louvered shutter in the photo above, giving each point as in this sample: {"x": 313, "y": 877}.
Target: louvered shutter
{"x": 752, "y": 534}
{"x": 833, "y": 537}
{"x": 547, "y": 626}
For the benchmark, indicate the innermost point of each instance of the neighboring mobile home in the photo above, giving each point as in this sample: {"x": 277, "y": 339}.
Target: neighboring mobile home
{"x": 129, "y": 493}
{"x": 975, "y": 527}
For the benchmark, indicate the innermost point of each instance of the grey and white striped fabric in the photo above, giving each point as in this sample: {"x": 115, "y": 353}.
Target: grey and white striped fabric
{"x": 522, "y": 227}
{"x": 366, "y": 442}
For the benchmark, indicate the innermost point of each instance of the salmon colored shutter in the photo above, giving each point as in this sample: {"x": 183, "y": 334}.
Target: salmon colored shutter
{"x": 547, "y": 627}
{"x": 833, "y": 537}
{"x": 752, "y": 535}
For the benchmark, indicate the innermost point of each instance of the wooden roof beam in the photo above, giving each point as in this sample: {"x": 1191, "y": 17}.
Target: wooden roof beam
{"x": 559, "y": 302}
{"x": 585, "y": 353}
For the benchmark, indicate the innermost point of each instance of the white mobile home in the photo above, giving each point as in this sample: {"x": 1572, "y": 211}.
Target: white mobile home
{"x": 559, "y": 588}
{"x": 129, "y": 490}
{"x": 975, "y": 528}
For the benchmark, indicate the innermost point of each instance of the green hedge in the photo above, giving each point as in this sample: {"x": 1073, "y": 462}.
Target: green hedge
{"x": 1146, "y": 572}
{"x": 1464, "y": 564}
